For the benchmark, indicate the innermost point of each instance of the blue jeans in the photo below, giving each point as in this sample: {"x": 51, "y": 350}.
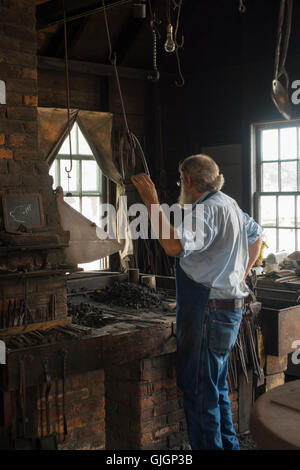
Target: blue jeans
{"x": 205, "y": 337}
{"x": 208, "y": 411}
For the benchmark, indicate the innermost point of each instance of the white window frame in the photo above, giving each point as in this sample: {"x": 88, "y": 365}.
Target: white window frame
{"x": 256, "y": 176}
{"x": 101, "y": 191}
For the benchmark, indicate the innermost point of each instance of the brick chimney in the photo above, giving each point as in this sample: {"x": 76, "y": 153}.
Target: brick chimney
{"x": 23, "y": 172}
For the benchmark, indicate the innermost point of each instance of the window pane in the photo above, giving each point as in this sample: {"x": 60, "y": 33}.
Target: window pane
{"x": 90, "y": 175}
{"x": 52, "y": 172}
{"x": 269, "y": 144}
{"x": 268, "y": 210}
{"x": 269, "y": 177}
{"x": 298, "y": 211}
{"x": 65, "y": 148}
{"x": 286, "y": 211}
{"x": 289, "y": 176}
{"x": 298, "y": 244}
{"x": 270, "y": 237}
{"x": 73, "y": 202}
{"x": 84, "y": 148}
{"x": 287, "y": 240}
{"x": 69, "y": 184}
{"x": 93, "y": 266}
{"x": 288, "y": 143}
{"x": 90, "y": 208}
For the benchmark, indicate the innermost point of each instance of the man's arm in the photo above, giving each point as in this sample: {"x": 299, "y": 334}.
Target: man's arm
{"x": 253, "y": 251}
{"x": 147, "y": 191}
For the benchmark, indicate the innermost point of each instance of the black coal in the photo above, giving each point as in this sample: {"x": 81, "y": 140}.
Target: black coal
{"x": 129, "y": 295}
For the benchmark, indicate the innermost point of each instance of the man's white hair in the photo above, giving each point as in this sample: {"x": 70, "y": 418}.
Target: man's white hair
{"x": 203, "y": 171}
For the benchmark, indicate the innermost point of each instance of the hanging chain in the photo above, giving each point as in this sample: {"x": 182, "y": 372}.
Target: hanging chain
{"x": 68, "y": 95}
{"x": 155, "y": 34}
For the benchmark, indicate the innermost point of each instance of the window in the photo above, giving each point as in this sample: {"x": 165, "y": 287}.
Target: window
{"x": 278, "y": 184}
{"x": 86, "y": 183}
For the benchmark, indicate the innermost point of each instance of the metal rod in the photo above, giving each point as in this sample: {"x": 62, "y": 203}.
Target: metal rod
{"x": 83, "y": 14}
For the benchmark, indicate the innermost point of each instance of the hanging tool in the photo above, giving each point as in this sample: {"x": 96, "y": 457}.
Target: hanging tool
{"x": 49, "y": 441}
{"x": 22, "y": 394}
{"x": 20, "y": 440}
{"x": 64, "y": 354}
{"x": 279, "y": 93}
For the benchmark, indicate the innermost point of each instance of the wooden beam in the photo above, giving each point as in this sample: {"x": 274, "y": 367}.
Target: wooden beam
{"x": 51, "y": 13}
{"x": 91, "y": 68}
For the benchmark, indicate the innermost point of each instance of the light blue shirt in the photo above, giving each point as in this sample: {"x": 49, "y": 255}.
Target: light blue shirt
{"x": 221, "y": 261}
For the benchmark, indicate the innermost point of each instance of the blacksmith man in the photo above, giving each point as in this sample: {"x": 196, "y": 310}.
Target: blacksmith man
{"x": 210, "y": 288}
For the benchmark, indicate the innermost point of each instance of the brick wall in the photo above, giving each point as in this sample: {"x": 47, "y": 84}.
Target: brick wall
{"x": 144, "y": 408}
{"x": 21, "y": 169}
{"x": 18, "y": 68}
{"x": 85, "y": 412}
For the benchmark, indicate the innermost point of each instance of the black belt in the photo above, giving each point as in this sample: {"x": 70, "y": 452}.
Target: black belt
{"x": 232, "y": 303}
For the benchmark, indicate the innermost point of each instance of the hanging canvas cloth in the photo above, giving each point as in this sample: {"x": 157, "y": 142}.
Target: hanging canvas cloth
{"x": 87, "y": 240}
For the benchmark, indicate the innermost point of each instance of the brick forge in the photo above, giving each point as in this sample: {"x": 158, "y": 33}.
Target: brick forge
{"x": 136, "y": 406}
{"x": 84, "y": 412}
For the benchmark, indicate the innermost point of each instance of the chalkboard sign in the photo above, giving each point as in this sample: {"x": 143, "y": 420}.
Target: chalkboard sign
{"x": 22, "y": 212}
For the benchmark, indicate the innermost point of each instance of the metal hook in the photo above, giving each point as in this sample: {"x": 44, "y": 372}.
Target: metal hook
{"x": 180, "y": 46}
{"x": 242, "y": 7}
{"x": 71, "y": 160}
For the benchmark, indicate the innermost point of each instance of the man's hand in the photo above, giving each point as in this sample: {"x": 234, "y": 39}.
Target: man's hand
{"x": 253, "y": 251}
{"x": 146, "y": 189}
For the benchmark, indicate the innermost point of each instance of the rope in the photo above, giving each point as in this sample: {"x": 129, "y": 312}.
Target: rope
{"x": 68, "y": 94}
{"x": 132, "y": 140}
{"x": 113, "y": 60}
